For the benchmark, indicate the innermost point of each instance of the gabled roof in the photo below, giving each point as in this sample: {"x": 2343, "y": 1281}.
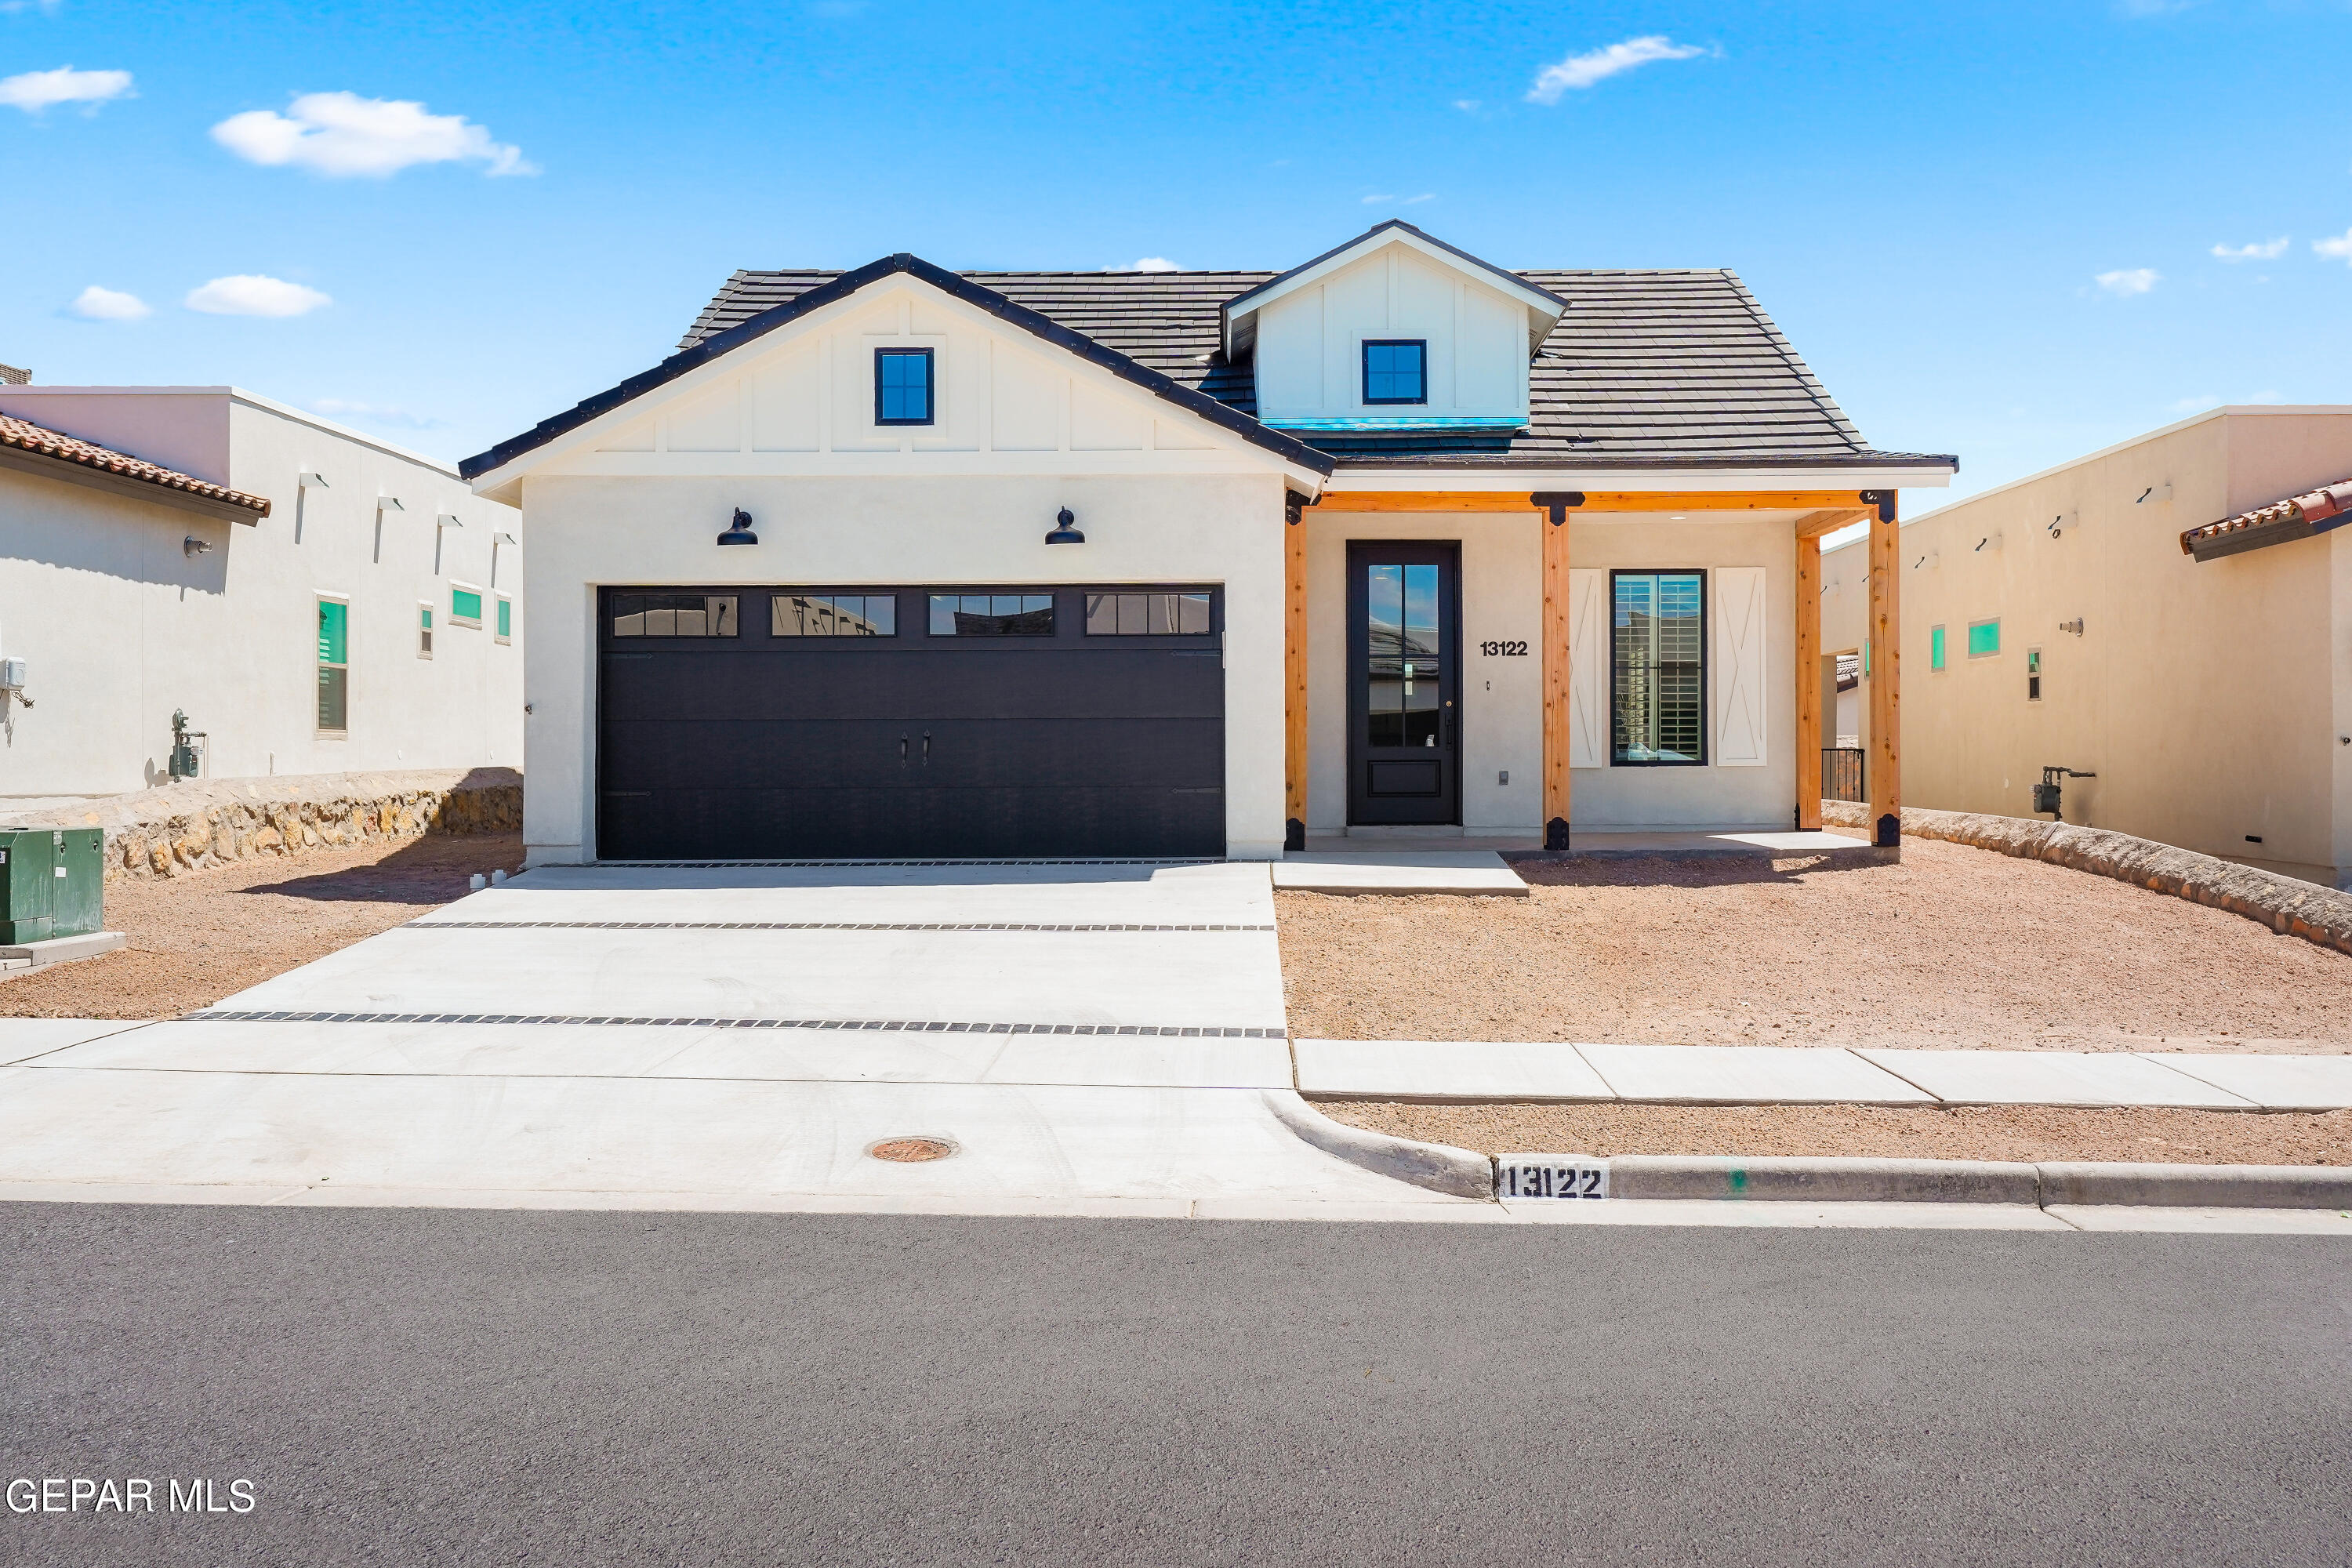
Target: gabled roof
{"x": 1239, "y": 329}
{"x": 1646, "y": 369}
{"x": 758, "y": 319}
{"x": 22, "y": 435}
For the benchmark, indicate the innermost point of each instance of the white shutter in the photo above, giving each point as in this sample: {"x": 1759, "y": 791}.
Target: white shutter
{"x": 1740, "y": 672}
{"x": 1588, "y": 668}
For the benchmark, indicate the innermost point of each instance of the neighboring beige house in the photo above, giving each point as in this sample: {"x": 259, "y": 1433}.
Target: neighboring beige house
{"x": 315, "y": 601}
{"x": 2063, "y": 621}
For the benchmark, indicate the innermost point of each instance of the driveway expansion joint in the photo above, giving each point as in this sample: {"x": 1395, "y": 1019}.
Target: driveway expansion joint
{"x": 1185, "y": 1031}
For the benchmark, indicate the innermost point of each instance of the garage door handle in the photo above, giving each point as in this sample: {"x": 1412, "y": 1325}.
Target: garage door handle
{"x": 902, "y": 750}
{"x": 927, "y": 748}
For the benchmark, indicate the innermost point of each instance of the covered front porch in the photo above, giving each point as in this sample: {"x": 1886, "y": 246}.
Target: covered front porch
{"x": 1569, "y": 670}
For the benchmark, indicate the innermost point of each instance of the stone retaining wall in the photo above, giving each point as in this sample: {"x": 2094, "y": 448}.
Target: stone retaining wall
{"x": 2285, "y": 904}
{"x": 210, "y": 822}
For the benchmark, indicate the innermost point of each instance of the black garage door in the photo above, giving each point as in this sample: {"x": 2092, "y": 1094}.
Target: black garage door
{"x": 909, "y": 723}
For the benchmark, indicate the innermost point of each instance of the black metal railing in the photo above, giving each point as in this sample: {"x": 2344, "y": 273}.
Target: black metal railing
{"x": 1842, "y": 773}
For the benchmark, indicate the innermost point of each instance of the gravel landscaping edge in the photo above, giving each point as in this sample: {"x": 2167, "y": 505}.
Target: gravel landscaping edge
{"x": 2286, "y": 904}
{"x": 203, "y": 823}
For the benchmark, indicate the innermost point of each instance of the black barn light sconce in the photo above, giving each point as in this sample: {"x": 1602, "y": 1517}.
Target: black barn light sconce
{"x": 739, "y": 532}
{"x": 1065, "y": 529}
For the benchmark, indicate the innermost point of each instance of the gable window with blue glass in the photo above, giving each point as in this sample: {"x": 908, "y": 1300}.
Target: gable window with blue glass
{"x": 1396, "y": 369}
{"x": 902, "y": 386}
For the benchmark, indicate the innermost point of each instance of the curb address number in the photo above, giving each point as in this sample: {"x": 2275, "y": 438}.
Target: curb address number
{"x": 1551, "y": 1176}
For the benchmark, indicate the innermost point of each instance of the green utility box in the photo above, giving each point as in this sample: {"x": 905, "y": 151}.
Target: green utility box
{"x": 51, "y": 883}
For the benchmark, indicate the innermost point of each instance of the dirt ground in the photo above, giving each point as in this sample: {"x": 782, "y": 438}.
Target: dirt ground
{"x": 196, "y": 939}
{"x": 1954, "y": 947}
{"x": 1971, "y": 1132}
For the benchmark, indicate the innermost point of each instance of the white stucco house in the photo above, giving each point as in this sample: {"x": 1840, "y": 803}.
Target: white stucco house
{"x": 906, "y": 563}
{"x": 312, "y": 599}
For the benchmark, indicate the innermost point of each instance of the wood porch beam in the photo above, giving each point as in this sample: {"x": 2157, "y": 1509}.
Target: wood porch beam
{"x": 1885, "y": 661}
{"x": 1814, "y": 524}
{"x": 1849, "y": 501}
{"x": 1294, "y": 678}
{"x": 1808, "y": 682}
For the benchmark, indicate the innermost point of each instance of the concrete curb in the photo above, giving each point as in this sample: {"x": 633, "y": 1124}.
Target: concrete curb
{"x": 2285, "y": 904}
{"x": 1821, "y": 1180}
{"x": 1440, "y": 1167}
{"x": 2043, "y": 1185}
{"x": 2198, "y": 1187}
{"x": 32, "y": 957}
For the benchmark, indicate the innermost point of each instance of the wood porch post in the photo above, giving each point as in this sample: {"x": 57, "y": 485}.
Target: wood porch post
{"x": 1884, "y": 627}
{"x": 1294, "y": 675}
{"x": 1808, "y": 683}
{"x": 1557, "y": 805}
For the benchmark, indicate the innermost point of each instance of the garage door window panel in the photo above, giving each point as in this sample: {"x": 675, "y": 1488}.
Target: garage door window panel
{"x": 674, "y": 616}
{"x": 832, "y": 616}
{"x": 991, "y": 615}
{"x": 1148, "y": 614}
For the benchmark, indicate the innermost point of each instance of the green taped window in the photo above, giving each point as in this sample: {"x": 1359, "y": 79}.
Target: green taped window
{"x": 334, "y": 667}
{"x": 1984, "y": 639}
{"x": 425, "y": 631}
{"x": 464, "y": 608}
{"x": 1935, "y": 647}
{"x": 506, "y": 620}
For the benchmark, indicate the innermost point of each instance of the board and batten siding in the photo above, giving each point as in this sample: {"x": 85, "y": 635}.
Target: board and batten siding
{"x": 1309, "y": 342}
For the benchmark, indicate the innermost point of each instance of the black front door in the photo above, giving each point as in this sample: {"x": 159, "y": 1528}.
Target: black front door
{"x": 1404, "y": 664}
{"x": 911, "y": 724}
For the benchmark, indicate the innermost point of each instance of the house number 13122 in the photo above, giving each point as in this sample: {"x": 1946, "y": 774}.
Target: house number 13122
{"x": 1504, "y": 649}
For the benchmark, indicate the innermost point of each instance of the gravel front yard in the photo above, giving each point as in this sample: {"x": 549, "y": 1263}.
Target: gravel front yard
{"x": 197, "y": 938}
{"x": 1973, "y": 1132}
{"x": 1956, "y": 947}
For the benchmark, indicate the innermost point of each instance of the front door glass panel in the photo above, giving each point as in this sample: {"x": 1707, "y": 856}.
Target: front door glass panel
{"x": 1403, "y": 653}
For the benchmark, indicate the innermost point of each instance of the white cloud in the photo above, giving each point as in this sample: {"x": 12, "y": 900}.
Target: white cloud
{"x": 2267, "y": 394}
{"x": 37, "y": 90}
{"x": 2340, "y": 246}
{"x": 341, "y": 134}
{"x": 2263, "y": 250}
{"x": 96, "y": 304}
{"x": 1400, "y": 201}
{"x": 2187, "y": 406}
{"x": 2130, "y": 282}
{"x": 250, "y": 294}
{"x": 1583, "y": 71}
{"x": 1154, "y": 264}
{"x": 1375, "y": 201}
{"x": 1467, "y": 105}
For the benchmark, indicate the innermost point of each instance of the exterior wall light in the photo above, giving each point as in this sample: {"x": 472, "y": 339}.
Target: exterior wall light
{"x": 1065, "y": 530}
{"x": 739, "y": 531}
{"x": 193, "y": 547}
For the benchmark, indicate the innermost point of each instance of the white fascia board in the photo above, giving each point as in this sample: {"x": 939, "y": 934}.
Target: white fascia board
{"x": 1407, "y": 481}
{"x": 1542, "y": 308}
{"x": 504, "y": 482}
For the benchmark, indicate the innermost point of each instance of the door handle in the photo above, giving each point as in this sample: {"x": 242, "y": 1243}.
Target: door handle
{"x": 1452, "y": 739}
{"x": 902, "y": 750}
{"x": 927, "y": 748}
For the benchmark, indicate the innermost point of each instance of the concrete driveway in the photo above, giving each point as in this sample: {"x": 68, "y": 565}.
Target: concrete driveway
{"x": 1093, "y": 1034}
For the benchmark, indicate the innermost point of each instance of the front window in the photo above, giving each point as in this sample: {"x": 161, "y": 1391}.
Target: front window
{"x": 991, "y": 615}
{"x": 464, "y": 608}
{"x": 902, "y": 386}
{"x": 1658, "y": 648}
{"x": 1396, "y": 370}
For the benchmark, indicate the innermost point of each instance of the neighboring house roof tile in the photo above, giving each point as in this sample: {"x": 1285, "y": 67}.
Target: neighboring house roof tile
{"x": 25, "y": 435}
{"x": 2282, "y": 522}
{"x": 1647, "y": 369}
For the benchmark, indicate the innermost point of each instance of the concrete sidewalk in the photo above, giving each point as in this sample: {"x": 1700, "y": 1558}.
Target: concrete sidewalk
{"x": 1791, "y": 1075}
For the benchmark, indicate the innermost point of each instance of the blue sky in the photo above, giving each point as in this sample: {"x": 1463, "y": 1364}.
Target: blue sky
{"x": 1926, "y": 198}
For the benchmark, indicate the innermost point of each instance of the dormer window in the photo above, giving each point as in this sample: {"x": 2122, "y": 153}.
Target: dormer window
{"x": 1396, "y": 369}
{"x": 902, "y": 386}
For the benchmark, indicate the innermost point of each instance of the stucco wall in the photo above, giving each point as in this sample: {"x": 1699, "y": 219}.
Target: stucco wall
{"x": 121, "y": 626}
{"x": 1502, "y": 703}
{"x": 2206, "y": 696}
{"x": 979, "y": 531}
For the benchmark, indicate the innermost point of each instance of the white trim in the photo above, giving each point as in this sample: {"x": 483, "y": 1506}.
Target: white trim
{"x": 1406, "y": 481}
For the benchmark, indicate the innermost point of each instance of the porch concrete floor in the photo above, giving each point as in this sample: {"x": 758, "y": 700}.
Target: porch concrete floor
{"x": 1952, "y": 949}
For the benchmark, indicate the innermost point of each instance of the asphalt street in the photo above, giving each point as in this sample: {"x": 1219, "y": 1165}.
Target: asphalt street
{"x": 426, "y": 1387}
